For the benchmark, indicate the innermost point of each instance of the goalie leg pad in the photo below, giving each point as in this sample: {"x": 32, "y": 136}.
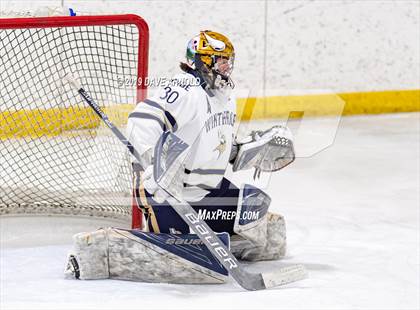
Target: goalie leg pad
{"x": 273, "y": 249}
{"x": 89, "y": 258}
{"x": 147, "y": 257}
{"x": 260, "y": 235}
{"x": 251, "y": 214}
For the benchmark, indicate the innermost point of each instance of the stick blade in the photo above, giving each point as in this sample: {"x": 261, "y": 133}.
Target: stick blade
{"x": 284, "y": 276}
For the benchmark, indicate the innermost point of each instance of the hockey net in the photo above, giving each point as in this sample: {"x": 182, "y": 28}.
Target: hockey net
{"x": 55, "y": 155}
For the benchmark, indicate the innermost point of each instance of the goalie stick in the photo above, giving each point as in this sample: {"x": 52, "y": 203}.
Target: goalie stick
{"x": 249, "y": 281}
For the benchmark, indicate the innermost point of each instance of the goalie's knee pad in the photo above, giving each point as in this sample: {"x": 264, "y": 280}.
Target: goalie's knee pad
{"x": 260, "y": 235}
{"x": 142, "y": 256}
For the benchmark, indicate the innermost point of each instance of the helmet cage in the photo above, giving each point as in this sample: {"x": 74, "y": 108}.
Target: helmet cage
{"x": 210, "y": 74}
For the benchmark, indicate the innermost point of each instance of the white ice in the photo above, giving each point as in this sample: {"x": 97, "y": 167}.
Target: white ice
{"x": 352, "y": 215}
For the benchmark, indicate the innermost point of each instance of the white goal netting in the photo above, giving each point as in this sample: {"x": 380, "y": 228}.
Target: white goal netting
{"x": 55, "y": 156}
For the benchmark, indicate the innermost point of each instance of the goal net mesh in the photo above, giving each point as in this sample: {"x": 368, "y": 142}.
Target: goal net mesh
{"x": 56, "y": 157}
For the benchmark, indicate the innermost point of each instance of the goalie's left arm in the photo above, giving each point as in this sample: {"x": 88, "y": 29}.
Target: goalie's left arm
{"x": 268, "y": 150}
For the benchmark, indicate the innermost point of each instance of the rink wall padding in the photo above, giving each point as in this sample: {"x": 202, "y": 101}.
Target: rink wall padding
{"x": 52, "y": 122}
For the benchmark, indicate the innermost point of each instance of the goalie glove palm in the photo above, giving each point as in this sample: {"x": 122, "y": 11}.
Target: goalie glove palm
{"x": 268, "y": 150}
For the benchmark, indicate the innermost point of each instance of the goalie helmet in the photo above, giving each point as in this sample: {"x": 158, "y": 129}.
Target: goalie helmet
{"x": 213, "y": 56}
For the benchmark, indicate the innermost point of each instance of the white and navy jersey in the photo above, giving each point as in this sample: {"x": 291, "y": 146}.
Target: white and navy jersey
{"x": 202, "y": 120}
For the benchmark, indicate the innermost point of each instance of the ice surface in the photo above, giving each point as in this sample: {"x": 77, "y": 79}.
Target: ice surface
{"x": 352, "y": 213}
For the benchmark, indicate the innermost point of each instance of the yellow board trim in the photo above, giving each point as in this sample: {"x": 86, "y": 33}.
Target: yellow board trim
{"x": 55, "y": 121}
{"x": 326, "y": 104}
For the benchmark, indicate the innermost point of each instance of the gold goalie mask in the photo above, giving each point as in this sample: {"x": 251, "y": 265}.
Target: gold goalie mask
{"x": 213, "y": 56}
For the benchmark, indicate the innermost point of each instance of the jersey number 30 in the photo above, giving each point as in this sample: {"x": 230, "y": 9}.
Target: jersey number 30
{"x": 170, "y": 95}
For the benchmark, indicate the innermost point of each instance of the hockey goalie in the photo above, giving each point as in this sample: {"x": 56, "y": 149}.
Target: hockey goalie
{"x": 197, "y": 108}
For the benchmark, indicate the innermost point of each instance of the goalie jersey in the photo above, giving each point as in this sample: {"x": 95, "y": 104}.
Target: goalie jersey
{"x": 203, "y": 119}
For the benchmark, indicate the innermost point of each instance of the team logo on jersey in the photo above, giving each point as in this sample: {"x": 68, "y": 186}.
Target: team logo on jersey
{"x": 222, "y": 145}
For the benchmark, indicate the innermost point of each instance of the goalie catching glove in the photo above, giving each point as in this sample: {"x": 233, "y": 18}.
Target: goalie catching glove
{"x": 267, "y": 151}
